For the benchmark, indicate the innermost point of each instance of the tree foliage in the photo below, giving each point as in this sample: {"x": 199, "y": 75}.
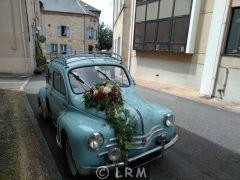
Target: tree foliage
{"x": 105, "y": 37}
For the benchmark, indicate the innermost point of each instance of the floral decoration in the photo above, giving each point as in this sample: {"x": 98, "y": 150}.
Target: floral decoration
{"x": 107, "y": 97}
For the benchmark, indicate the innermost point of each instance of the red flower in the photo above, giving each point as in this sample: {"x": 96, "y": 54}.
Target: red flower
{"x": 114, "y": 90}
{"x": 113, "y": 97}
{"x": 100, "y": 95}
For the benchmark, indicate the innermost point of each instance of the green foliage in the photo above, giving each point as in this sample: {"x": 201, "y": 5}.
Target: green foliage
{"x": 108, "y": 98}
{"x": 105, "y": 37}
{"x": 40, "y": 60}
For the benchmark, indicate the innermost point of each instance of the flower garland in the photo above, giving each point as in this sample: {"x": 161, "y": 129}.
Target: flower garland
{"x": 108, "y": 98}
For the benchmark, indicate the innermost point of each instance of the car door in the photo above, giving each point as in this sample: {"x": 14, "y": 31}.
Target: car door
{"x": 57, "y": 96}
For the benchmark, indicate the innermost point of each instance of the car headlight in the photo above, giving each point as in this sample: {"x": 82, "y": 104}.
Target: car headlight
{"x": 114, "y": 154}
{"x": 169, "y": 120}
{"x": 96, "y": 140}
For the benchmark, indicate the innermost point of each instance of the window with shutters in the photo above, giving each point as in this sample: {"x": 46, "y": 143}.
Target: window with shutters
{"x": 162, "y": 25}
{"x": 54, "y": 48}
{"x": 91, "y": 33}
{"x": 63, "y": 48}
{"x": 63, "y": 30}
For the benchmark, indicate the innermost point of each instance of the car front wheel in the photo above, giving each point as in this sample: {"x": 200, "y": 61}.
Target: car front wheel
{"x": 70, "y": 159}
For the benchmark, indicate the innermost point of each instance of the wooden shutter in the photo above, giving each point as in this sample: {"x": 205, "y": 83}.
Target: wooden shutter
{"x": 87, "y": 33}
{"x": 58, "y": 30}
{"x": 68, "y": 29}
{"x": 48, "y": 47}
{"x": 69, "y": 49}
{"x": 95, "y": 34}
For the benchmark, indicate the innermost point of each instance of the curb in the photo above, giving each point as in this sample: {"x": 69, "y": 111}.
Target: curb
{"x": 48, "y": 158}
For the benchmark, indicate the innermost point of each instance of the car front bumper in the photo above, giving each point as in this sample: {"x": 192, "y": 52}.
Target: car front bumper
{"x": 145, "y": 158}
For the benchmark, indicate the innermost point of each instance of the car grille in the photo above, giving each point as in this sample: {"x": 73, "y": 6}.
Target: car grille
{"x": 137, "y": 140}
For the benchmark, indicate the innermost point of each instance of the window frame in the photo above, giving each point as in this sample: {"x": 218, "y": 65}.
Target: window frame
{"x": 62, "y": 31}
{"x": 127, "y": 75}
{"x": 92, "y": 33}
{"x": 171, "y": 19}
{"x": 61, "y": 78}
{"x": 227, "y": 35}
{"x": 62, "y": 46}
{"x": 54, "y": 48}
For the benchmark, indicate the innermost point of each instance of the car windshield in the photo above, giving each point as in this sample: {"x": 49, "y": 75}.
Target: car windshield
{"x": 81, "y": 79}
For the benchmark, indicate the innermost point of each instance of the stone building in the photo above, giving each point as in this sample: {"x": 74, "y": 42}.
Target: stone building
{"x": 69, "y": 26}
{"x": 19, "y": 19}
{"x": 185, "y": 43}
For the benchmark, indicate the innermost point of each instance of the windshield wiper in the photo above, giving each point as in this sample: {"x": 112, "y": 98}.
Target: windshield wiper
{"x": 106, "y": 76}
{"x": 78, "y": 78}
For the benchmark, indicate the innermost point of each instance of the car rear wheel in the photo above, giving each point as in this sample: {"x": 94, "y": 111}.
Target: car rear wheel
{"x": 70, "y": 160}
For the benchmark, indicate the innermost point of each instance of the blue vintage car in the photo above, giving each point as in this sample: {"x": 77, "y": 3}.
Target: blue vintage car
{"x": 83, "y": 133}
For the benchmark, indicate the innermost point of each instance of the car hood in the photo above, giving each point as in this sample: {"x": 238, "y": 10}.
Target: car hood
{"x": 145, "y": 113}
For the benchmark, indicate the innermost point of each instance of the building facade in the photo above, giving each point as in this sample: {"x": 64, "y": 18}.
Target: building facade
{"x": 19, "y": 20}
{"x": 186, "y": 43}
{"x": 121, "y": 28}
{"x": 69, "y": 26}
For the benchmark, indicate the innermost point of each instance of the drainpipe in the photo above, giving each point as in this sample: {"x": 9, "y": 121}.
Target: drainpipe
{"x": 215, "y": 46}
{"x": 222, "y": 90}
{"x": 84, "y": 36}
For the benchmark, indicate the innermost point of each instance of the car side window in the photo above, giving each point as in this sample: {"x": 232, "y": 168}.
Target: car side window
{"x": 49, "y": 74}
{"x": 58, "y": 83}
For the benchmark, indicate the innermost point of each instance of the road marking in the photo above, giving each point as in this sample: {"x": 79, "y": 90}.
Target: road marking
{"x": 24, "y": 84}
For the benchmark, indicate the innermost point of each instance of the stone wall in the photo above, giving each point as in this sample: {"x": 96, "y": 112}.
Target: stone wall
{"x": 76, "y": 23}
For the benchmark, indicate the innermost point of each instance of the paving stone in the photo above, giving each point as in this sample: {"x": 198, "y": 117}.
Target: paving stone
{"x": 20, "y": 152}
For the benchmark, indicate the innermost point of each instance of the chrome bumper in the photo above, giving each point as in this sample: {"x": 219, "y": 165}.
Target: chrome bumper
{"x": 92, "y": 169}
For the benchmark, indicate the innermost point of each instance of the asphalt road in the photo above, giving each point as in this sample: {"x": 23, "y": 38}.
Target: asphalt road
{"x": 196, "y": 155}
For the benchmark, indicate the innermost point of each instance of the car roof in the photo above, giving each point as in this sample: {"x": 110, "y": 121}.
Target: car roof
{"x": 77, "y": 60}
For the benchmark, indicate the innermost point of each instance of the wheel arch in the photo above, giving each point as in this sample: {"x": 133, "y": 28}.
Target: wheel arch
{"x": 42, "y": 97}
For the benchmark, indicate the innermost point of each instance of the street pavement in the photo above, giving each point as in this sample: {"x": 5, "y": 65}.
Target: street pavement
{"x": 208, "y": 147}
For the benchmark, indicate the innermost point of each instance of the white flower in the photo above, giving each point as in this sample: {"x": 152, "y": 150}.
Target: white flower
{"x": 95, "y": 92}
{"x": 106, "y": 90}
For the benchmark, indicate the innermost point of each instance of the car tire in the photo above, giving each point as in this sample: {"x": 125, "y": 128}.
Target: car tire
{"x": 45, "y": 112}
{"x": 70, "y": 160}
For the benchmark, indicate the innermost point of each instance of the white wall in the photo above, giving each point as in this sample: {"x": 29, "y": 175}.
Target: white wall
{"x": 176, "y": 70}
{"x": 16, "y": 56}
{"x": 232, "y": 91}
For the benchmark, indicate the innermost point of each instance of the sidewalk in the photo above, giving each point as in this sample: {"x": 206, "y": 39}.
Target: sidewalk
{"x": 189, "y": 94}
{"x": 23, "y": 153}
